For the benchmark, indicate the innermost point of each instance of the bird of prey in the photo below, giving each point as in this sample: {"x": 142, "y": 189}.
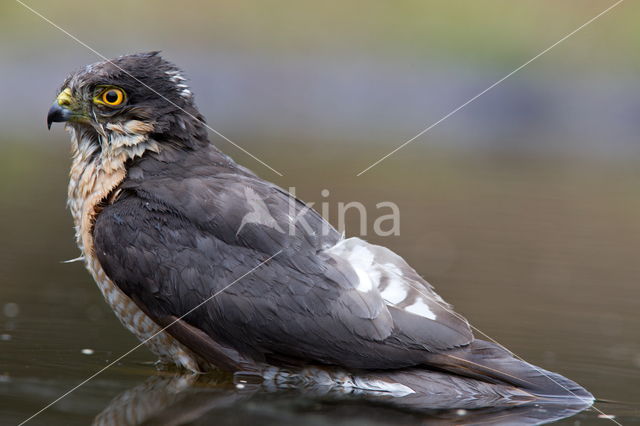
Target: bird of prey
{"x": 165, "y": 221}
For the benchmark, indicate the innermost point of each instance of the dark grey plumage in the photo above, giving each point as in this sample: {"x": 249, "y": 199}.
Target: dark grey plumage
{"x": 186, "y": 221}
{"x": 176, "y": 229}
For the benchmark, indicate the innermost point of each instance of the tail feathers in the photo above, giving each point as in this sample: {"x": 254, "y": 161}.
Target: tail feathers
{"x": 492, "y": 363}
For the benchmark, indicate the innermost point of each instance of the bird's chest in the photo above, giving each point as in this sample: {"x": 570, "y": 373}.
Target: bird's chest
{"x": 89, "y": 188}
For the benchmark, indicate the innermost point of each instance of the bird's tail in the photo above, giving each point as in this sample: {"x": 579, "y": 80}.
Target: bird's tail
{"x": 492, "y": 363}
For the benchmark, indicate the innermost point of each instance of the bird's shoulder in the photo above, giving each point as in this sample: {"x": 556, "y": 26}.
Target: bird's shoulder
{"x": 213, "y": 193}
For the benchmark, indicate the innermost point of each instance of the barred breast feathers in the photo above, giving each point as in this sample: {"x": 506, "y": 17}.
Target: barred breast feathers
{"x": 98, "y": 167}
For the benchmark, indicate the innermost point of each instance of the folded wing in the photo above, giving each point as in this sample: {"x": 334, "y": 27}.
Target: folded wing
{"x": 170, "y": 242}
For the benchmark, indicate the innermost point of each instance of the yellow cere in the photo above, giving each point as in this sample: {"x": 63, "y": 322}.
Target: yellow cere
{"x": 64, "y": 98}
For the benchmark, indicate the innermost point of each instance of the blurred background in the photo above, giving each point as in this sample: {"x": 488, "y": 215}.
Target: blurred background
{"x": 522, "y": 209}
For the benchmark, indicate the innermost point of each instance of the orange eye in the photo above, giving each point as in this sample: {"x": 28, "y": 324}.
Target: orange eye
{"x": 112, "y": 97}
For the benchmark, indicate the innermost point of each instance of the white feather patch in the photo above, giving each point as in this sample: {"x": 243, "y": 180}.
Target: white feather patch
{"x": 395, "y": 292}
{"x": 373, "y": 385}
{"x": 421, "y": 308}
{"x": 388, "y": 277}
{"x": 361, "y": 260}
{"x": 178, "y": 79}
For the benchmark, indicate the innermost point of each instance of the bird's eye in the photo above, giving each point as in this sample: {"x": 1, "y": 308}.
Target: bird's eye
{"x": 112, "y": 97}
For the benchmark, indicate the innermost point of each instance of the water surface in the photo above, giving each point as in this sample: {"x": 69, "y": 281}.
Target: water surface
{"x": 539, "y": 253}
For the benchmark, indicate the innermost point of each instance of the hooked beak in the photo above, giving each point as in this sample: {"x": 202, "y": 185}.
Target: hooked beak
{"x": 57, "y": 114}
{"x": 61, "y": 110}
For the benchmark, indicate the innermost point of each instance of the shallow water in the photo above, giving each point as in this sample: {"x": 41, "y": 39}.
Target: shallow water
{"x": 539, "y": 253}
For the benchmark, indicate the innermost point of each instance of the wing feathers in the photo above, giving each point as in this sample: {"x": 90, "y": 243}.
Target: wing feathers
{"x": 179, "y": 234}
{"x": 489, "y": 362}
{"x": 384, "y": 279}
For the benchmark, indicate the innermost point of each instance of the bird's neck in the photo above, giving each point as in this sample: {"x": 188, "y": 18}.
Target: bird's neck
{"x": 98, "y": 167}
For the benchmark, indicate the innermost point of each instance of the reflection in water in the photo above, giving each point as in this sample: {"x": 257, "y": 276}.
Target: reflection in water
{"x": 542, "y": 255}
{"x": 180, "y": 399}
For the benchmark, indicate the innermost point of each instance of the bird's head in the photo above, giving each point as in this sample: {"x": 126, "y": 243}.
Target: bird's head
{"x": 129, "y": 99}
